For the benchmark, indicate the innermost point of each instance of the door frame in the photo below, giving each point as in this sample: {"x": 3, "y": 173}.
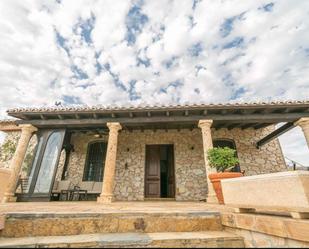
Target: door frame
{"x": 45, "y": 134}
{"x": 173, "y": 168}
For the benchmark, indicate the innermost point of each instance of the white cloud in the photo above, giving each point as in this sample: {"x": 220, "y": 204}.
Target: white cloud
{"x": 79, "y": 50}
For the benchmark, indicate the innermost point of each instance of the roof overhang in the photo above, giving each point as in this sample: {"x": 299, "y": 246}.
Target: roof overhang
{"x": 239, "y": 115}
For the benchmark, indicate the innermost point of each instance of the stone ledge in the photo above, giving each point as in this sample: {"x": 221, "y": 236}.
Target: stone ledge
{"x": 288, "y": 190}
{"x": 267, "y": 224}
{"x": 124, "y": 240}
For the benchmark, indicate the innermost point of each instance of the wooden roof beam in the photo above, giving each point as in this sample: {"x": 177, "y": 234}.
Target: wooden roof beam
{"x": 247, "y": 126}
{"x": 260, "y": 126}
{"x": 273, "y": 135}
{"x": 232, "y": 126}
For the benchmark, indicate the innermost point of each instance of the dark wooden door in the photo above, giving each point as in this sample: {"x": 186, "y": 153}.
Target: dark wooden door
{"x": 152, "y": 174}
{"x": 171, "y": 172}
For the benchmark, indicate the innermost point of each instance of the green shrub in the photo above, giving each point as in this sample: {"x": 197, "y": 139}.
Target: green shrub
{"x": 223, "y": 159}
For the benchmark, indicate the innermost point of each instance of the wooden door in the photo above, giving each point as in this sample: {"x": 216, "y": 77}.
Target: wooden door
{"x": 152, "y": 172}
{"x": 171, "y": 172}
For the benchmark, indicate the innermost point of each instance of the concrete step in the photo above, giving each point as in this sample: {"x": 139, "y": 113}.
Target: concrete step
{"x": 210, "y": 239}
{"x": 29, "y": 225}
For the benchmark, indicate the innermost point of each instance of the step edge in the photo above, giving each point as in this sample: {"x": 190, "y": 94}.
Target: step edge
{"x": 102, "y": 239}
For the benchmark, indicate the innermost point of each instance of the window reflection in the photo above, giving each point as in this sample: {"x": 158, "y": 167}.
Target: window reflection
{"x": 49, "y": 163}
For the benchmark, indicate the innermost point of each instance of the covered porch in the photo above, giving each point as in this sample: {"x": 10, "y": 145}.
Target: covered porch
{"x": 122, "y": 135}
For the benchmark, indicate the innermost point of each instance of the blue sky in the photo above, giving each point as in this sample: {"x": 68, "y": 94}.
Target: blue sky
{"x": 133, "y": 52}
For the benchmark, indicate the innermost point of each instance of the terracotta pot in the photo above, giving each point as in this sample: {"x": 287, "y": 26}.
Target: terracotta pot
{"x": 216, "y": 178}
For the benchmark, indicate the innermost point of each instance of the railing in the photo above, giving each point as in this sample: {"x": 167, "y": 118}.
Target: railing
{"x": 296, "y": 165}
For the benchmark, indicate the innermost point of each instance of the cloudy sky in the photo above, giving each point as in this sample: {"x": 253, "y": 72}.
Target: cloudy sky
{"x": 116, "y": 52}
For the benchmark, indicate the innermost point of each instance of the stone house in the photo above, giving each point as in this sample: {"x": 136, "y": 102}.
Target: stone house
{"x": 141, "y": 153}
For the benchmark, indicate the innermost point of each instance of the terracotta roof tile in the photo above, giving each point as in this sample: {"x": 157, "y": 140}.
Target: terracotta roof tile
{"x": 146, "y": 107}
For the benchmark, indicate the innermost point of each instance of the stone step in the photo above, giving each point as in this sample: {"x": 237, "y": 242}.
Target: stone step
{"x": 28, "y": 225}
{"x": 210, "y": 239}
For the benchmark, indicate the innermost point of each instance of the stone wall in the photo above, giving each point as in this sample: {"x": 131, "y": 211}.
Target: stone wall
{"x": 189, "y": 163}
{"x": 267, "y": 159}
{"x": 267, "y": 231}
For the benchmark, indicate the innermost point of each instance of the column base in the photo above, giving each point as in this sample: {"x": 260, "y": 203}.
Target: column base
{"x": 105, "y": 199}
{"x": 9, "y": 198}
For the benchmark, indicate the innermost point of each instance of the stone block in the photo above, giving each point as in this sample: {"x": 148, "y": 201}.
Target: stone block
{"x": 285, "y": 191}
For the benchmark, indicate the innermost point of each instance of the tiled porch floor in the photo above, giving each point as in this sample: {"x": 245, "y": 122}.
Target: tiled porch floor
{"x": 116, "y": 207}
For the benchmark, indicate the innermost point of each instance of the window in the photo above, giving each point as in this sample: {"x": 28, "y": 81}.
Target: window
{"x": 230, "y": 144}
{"x": 94, "y": 168}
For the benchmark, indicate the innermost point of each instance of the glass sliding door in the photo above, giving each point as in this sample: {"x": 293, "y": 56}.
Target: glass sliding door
{"x": 45, "y": 164}
{"x": 49, "y": 163}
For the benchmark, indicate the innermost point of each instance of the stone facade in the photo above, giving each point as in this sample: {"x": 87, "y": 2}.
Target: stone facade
{"x": 189, "y": 163}
{"x": 190, "y": 170}
{"x": 267, "y": 159}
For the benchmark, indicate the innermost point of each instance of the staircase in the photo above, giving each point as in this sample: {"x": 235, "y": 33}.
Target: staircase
{"x": 117, "y": 229}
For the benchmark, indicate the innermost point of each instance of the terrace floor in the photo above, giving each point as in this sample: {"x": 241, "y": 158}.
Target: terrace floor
{"x": 116, "y": 207}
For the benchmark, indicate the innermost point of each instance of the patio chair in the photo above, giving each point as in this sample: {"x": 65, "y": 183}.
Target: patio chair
{"x": 61, "y": 189}
{"x": 81, "y": 192}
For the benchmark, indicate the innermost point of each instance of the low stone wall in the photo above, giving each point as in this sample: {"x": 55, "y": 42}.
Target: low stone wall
{"x": 267, "y": 231}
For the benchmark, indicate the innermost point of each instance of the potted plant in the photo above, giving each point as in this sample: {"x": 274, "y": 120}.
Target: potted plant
{"x": 223, "y": 160}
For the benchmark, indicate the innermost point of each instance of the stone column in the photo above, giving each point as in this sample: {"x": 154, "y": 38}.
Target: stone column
{"x": 110, "y": 164}
{"x": 304, "y": 124}
{"x": 205, "y": 126}
{"x": 17, "y": 161}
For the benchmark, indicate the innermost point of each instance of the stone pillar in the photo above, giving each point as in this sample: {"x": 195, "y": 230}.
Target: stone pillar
{"x": 304, "y": 124}
{"x": 205, "y": 126}
{"x": 17, "y": 161}
{"x": 110, "y": 164}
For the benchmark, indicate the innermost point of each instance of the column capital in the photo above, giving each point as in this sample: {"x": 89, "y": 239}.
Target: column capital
{"x": 115, "y": 126}
{"x": 205, "y": 123}
{"x": 28, "y": 128}
{"x": 302, "y": 122}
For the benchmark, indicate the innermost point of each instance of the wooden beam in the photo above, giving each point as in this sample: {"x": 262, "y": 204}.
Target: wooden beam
{"x": 231, "y": 118}
{"x": 260, "y": 126}
{"x": 232, "y": 126}
{"x": 247, "y": 126}
{"x": 283, "y": 129}
{"x": 220, "y": 126}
